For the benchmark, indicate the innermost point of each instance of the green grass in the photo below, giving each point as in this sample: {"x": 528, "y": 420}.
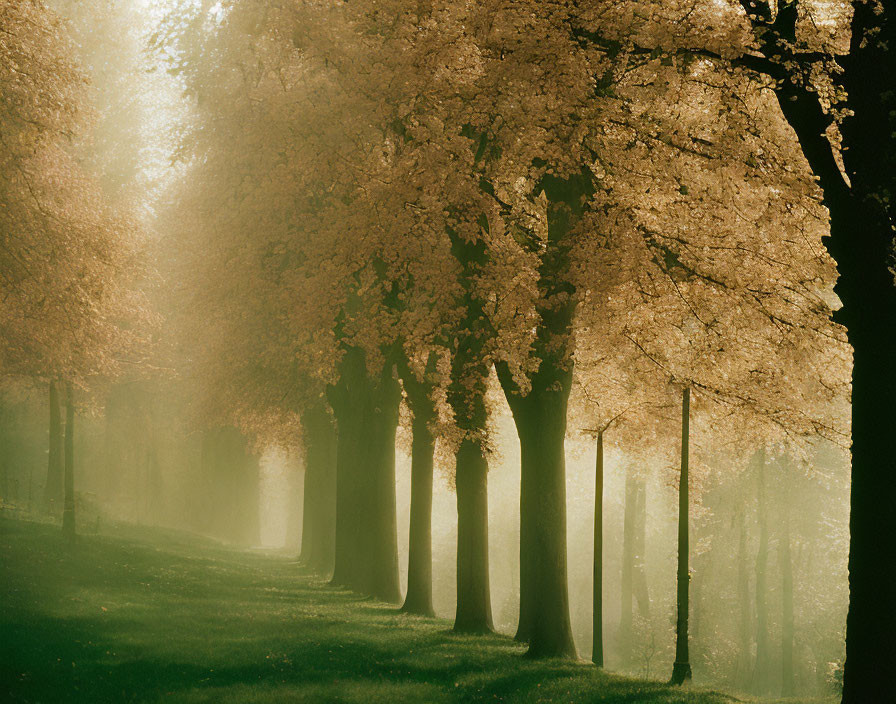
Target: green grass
{"x": 150, "y": 616}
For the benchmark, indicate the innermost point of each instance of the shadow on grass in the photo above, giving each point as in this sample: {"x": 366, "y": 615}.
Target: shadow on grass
{"x": 172, "y": 619}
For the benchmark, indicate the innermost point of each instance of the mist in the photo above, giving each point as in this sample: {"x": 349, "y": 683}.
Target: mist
{"x": 447, "y": 352}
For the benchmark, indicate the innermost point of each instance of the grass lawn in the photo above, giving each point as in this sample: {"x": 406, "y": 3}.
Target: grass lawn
{"x": 150, "y": 616}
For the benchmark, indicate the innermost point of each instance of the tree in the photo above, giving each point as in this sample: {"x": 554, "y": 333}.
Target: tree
{"x": 762, "y": 663}
{"x": 319, "y": 510}
{"x": 54, "y": 486}
{"x": 810, "y": 67}
{"x": 418, "y": 599}
{"x": 68, "y": 509}
{"x": 69, "y": 258}
{"x": 424, "y": 208}
{"x": 681, "y": 670}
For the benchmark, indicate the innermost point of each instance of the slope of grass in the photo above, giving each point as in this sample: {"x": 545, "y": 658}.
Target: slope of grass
{"x": 150, "y": 616}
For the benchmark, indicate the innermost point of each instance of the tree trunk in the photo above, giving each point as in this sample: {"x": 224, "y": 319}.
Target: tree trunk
{"x": 863, "y": 235}
{"x": 474, "y": 608}
{"x": 787, "y": 681}
{"x": 639, "y": 568}
{"x": 681, "y": 670}
{"x": 346, "y": 400}
{"x": 230, "y": 479}
{"x": 418, "y": 599}
{"x": 871, "y": 620}
{"x": 597, "y": 650}
{"x": 761, "y": 669}
{"x": 527, "y": 577}
{"x": 382, "y": 530}
{"x": 744, "y": 655}
{"x": 68, "y": 510}
{"x": 540, "y": 417}
{"x": 466, "y": 395}
{"x": 366, "y": 410}
{"x": 863, "y": 219}
{"x": 319, "y": 495}
{"x": 701, "y": 565}
{"x": 541, "y": 424}
{"x": 53, "y": 489}
{"x": 309, "y": 502}
{"x": 628, "y": 563}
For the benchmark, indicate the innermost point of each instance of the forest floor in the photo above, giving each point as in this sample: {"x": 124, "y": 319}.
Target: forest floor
{"x": 150, "y": 615}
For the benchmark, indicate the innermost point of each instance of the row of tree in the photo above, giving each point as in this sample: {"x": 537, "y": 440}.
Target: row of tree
{"x": 604, "y": 206}
{"x": 389, "y": 200}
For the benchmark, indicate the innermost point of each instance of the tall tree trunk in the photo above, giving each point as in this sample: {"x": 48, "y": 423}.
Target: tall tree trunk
{"x": 597, "y": 650}
{"x": 346, "y": 399}
{"x": 762, "y": 666}
{"x": 871, "y": 620}
{"x": 230, "y": 483}
{"x": 470, "y": 370}
{"x": 681, "y": 670}
{"x": 527, "y": 576}
{"x": 53, "y": 489}
{"x": 745, "y": 632}
{"x": 787, "y": 681}
{"x": 628, "y": 564}
{"x": 250, "y": 493}
{"x": 639, "y": 568}
{"x": 540, "y": 417}
{"x": 862, "y": 231}
{"x": 68, "y": 510}
{"x": 863, "y": 221}
{"x": 366, "y": 410}
{"x": 319, "y": 495}
{"x": 474, "y": 608}
{"x": 207, "y": 495}
{"x": 541, "y": 424}
{"x": 697, "y": 584}
{"x": 383, "y": 528}
{"x": 418, "y": 599}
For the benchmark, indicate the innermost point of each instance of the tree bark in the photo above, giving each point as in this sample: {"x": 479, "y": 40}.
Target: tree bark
{"x": 639, "y": 568}
{"x": 466, "y": 396}
{"x": 382, "y": 530}
{"x": 540, "y": 417}
{"x": 418, "y": 599}
{"x": 597, "y": 650}
{"x": 366, "y": 410}
{"x": 68, "y": 510}
{"x": 53, "y": 489}
{"x": 474, "y": 609}
{"x": 864, "y": 251}
{"x": 229, "y": 499}
{"x": 761, "y": 667}
{"x": 787, "y": 630}
{"x": 863, "y": 221}
{"x": 319, "y": 495}
{"x": 744, "y": 655}
{"x": 681, "y": 670}
{"x": 628, "y": 563}
{"x": 527, "y": 577}
{"x": 541, "y": 424}
{"x": 346, "y": 399}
